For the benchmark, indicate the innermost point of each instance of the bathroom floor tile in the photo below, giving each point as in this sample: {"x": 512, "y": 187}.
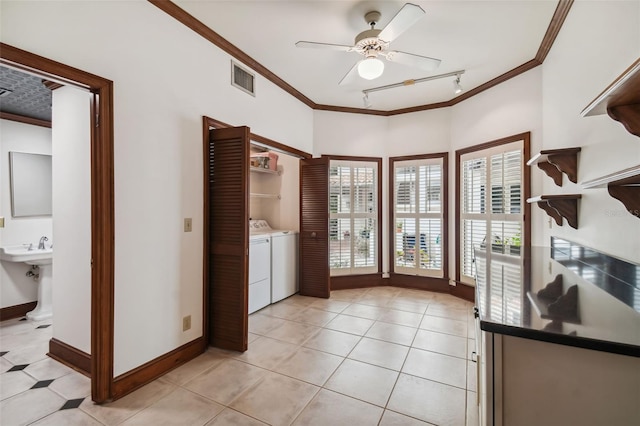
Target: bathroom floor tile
{"x": 72, "y": 386}
{"x": 276, "y": 399}
{"x": 429, "y": 401}
{"x": 333, "y": 342}
{"x": 363, "y": 381}
{"x": 437, "y": 367}
{"x": 13, "y": 383}
{"x": 380, "y": 353}
{"x": 331, "y": 408}
{"x": 68, "y": 417}
{"x": 29, "y": 406}
{"x": 47, "y": 368}
{"x": 227, "y": 381}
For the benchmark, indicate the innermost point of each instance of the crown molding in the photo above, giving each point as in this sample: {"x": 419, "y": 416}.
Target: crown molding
{"x": 557, "y": 20}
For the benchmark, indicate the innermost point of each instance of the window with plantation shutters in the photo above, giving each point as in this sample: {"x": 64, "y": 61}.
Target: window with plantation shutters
{"x": 418, "y": 216}
{"x": 492, "y": 222}
{"x": 353, "y": 217}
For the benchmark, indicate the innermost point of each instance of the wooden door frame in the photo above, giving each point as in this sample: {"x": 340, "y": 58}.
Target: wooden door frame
{"x": 102, "y": 206}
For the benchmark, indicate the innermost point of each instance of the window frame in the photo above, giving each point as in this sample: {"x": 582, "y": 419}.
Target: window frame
{"x": 378, "y": 216}
{"x": 444, "y": 156}
{"x": 525, "y": 193}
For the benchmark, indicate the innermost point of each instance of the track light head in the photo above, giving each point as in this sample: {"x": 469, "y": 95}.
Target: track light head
{"x": 457, "y": 88}
{"x": 365, "y": 100}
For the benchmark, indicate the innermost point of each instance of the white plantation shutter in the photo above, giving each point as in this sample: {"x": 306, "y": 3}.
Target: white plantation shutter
{"x": 492, "y": 221}
{"x": 353, "y": 216}
{"x": 417, "y": 208}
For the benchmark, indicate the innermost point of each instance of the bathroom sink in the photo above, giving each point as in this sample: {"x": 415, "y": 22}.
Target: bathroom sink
{"x": 22, "y": 253}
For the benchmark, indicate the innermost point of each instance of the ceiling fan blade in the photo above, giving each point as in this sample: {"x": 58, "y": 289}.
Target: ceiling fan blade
{"x": 423, "y": 62}
{"x": 404, "y": 19}
{"x": 350, "y": 76}
{"x": 314, "y": 45}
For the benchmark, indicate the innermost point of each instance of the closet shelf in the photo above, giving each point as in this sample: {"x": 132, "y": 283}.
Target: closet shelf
{"x": 260, "y": 195}
{"x": 621, "y": 100}
{"x": 266, "y": 171}
{"x": 559, "y": 206}
{"x": 554, "y": 162}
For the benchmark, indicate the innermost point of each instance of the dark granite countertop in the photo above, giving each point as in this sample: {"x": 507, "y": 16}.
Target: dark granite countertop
{"x": 591, "y": 300}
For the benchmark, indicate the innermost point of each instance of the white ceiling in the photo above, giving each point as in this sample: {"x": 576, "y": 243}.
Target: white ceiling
{"x": 484, "y": 38}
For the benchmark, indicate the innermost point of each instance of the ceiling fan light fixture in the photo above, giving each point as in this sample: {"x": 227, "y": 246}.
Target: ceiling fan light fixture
{"x": 370, "y": 68}
{"x": 457, "y": 88}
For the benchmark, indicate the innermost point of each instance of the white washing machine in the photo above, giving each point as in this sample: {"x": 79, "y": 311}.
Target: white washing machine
{"x": 259, "y": 271}
{"x": 284, "y": 258}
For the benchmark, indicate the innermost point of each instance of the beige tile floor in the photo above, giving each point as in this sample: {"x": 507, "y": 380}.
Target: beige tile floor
{"x": 379, "y": 356}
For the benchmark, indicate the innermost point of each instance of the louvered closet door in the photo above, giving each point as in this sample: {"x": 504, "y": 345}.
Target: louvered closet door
{"x": 228, "y": 237}
{"x": 314, "y": 227}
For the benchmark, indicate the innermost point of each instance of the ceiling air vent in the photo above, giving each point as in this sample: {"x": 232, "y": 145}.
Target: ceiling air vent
{"x": 242, "y": 79}
{"x": 5, "y": 92}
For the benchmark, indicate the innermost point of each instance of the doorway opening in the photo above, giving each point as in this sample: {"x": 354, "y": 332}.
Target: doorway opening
{"x": 102, "y": 207}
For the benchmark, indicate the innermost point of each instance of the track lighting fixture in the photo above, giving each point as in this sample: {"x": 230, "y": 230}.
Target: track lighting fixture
{"x": 457, "y": 88}
{"x": 365, "y": 100}
{"x": 456, "y": 83}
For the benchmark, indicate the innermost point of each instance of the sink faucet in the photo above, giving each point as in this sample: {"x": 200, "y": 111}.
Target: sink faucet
{"x": 41, "y": 243}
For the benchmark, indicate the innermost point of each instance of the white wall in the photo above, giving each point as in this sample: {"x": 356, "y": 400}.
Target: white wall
{"x": 598, "y": 41}
{"x": 165, "y": 79}
{"x": 15, "y": 287}
{"x": 72, "y": 217}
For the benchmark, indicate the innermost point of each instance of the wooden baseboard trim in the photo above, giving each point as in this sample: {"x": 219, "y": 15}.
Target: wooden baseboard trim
{"x": 138, "y": 377}
{"x": 70, "y": 356}
{"x": 463, "y": 291}
{"x": 16, "y": 311}
{"x": 355, "y": 281}
{"x": 421, "y": 283}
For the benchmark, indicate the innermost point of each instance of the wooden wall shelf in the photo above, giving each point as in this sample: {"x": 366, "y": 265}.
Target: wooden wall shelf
{"x": 621, "y": 100}
{"x": 559, "y": 206}
{"x": 554, "y": 162}
{"x": 623, "y": 185}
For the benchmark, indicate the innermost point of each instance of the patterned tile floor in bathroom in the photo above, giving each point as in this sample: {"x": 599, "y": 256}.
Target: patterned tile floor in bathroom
{"x": 380, "y": 356}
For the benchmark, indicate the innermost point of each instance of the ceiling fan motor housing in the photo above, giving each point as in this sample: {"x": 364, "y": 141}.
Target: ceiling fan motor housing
{"x": 367, "y": 42}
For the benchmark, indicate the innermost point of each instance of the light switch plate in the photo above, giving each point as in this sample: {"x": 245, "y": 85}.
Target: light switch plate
{"x": 1, "y": 222}
{"x": 187, "y": 224}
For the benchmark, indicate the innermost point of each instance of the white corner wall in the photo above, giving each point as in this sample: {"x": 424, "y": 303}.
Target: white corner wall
{"x": 72, "y": 217}
{"x": 15, "y": 287}
{"x": 598, "y": 41}
{"x": 166, "y": 78}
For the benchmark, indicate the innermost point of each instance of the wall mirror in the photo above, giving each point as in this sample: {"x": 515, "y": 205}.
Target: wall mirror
{"x": 30, "y": 184}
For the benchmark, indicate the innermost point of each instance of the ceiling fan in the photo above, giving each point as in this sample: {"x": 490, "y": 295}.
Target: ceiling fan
{"x": 374, "y": 43}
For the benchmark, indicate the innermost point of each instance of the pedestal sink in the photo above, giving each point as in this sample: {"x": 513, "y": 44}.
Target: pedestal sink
{"x": 43, "y": 259}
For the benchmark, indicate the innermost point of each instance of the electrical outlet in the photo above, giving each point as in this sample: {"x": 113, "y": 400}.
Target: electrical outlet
{"x": 187, "y": 224}
{"x": 186, "y": 323}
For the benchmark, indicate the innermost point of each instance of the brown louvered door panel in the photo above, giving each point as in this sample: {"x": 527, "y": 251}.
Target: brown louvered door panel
{"x": 314, "y": 227}
{"x": 228, "y": 237}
